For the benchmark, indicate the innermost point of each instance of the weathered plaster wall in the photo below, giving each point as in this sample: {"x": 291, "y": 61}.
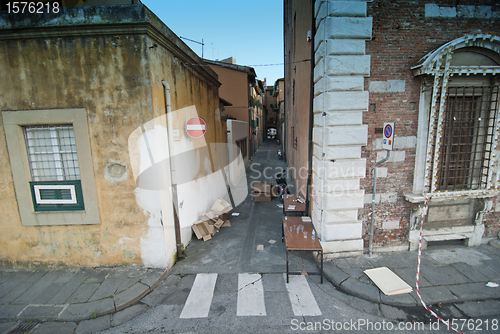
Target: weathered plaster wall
{"x": 198, "y": 162}
{"x": 108, "y": 76}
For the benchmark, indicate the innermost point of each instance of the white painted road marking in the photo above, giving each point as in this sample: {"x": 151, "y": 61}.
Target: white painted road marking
{"x": 200, "y": 298}
{"x": 250, "y": 295}
{"x": 301, "y": 297}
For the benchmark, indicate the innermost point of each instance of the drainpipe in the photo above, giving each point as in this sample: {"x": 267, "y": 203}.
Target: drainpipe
{"x": 311, "y": 114}
{"x": 175, "y": 199}
{"x": 373, "y": 197}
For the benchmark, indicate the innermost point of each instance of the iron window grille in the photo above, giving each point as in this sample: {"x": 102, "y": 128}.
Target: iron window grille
{"x": 53, "y": 164}
{"x": 468, "y": 138}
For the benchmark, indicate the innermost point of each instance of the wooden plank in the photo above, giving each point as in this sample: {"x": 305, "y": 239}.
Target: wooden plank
{"x": 387, "y": 281}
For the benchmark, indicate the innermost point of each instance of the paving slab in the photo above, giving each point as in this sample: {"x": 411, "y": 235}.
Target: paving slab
{"x": 409, "y": 275}
{"x": 470, "y": 272}
{"x": 474, "y": 291}
{"x": 35, "y": 276}
{"x": 128, "y": 314}
{"x": 106, "y": 289}
{"x": 84, "y": 311}
{"x": 130, "y": 296}
{"x": 128, "y": 272}
{"x": 479, "y": 309}
{"x": 405, "y": 299}
{"x": 70, "y": 287}
{"x": 334, "y": 274}
{"x": 41, "y": 312}
{"x": 48, "y": 293}
{"x": 55, "y": 328}
{"x": 94, "y": 325}
{"x": 83, "y": 293}
{"x": 361, "y": 290}
{"x": 395, "y": 260}
{"x": 15, "y": 292}
{"x": 154, "y": 277}
{"x": 4, "y": 326}
{"x": 4, "y": 276}
{"x": 98, "y": 275}
{"x": 444, "y": 275}
{"x": 9, "y": 312}
{"x": 437, "y": 294}
{"x": 67, "y": 275}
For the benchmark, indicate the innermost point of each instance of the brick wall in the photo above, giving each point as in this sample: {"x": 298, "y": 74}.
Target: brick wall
{"x": 403, "y": 32}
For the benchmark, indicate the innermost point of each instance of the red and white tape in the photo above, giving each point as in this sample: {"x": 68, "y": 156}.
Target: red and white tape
{"x": 424, "y": 213}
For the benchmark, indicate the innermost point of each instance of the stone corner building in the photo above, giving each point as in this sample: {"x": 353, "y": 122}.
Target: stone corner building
{"x": 433, "y": 68}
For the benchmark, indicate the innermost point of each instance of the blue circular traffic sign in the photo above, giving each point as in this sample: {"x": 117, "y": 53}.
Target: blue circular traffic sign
{"x": 388, "y": 131}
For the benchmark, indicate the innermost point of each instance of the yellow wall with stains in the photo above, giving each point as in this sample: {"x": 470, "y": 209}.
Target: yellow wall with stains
{"x": 117, "y": 80}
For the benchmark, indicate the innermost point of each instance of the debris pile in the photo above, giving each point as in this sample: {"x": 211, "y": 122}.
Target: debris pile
{"x": 210, "y": 222}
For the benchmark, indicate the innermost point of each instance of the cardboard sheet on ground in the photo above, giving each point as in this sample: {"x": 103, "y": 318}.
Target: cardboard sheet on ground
{"x": 387, "y": 281}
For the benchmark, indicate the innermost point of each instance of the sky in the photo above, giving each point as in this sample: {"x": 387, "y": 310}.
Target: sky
{"x": 249, "y": 31}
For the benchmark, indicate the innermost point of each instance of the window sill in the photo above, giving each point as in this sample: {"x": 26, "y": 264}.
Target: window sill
{"x": 420, "y": 198}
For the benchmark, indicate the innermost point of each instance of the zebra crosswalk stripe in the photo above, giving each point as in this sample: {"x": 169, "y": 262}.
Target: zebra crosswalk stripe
{"x": 250, "y": 295}
{"x": 301, "y": 296}
{"x": 200, "y": 298}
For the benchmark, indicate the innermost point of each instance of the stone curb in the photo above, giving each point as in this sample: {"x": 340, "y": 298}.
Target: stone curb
{"x": 346, "y": 284}
{"x": 91, "y": 310}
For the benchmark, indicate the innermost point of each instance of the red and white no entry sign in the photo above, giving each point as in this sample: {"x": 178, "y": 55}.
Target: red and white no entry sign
{"x": 196, "y": 127}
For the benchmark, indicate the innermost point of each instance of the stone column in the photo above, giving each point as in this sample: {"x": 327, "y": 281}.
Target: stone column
{"x": 339, "y": 133}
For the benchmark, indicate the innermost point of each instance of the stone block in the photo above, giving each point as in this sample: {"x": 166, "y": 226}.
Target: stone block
{"x": 341, "y": 101}
{"x": 345, "y": 168}
{"x": 338, "y": 83}
{"x": 341, "y": 8}
{"x": 344, "y": 28}
{"x": 333, "y": 273}
{"x": 343, "y": 152}
{"x": 340, "y": 216}
{"x": 339, "y": 118}
{"x": 344, "y": 231}
{"x": 345, "y": 47}
{"x": 381, "y": 172}
{"x": 318, "y": 136}
{"x": 399, "y": 142}
{"x": 387, "y": 86}
{"x": 433, "y": 10}
{"x": 395, "y": 156}
{"x": 340, "y": 185}
{"x": 368, "y": 198}
{"x": 389, "y": 197}
{"x": 319, "y": 70}
{"x": 348, "y": 65}
{"x": 340, "y": 246}
{"x": 347, "y": 135}
{"x": 342, "y": 201}
{"x": 390, "y": 225}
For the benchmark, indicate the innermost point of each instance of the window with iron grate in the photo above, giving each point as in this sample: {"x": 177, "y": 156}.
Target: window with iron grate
{"x": 53, "y": 163}
{"x": 468, "y": 138}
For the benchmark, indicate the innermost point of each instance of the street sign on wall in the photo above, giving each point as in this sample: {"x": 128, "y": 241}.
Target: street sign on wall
{"x": 196, "y": 127}
{"x": 388, "y": 139}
